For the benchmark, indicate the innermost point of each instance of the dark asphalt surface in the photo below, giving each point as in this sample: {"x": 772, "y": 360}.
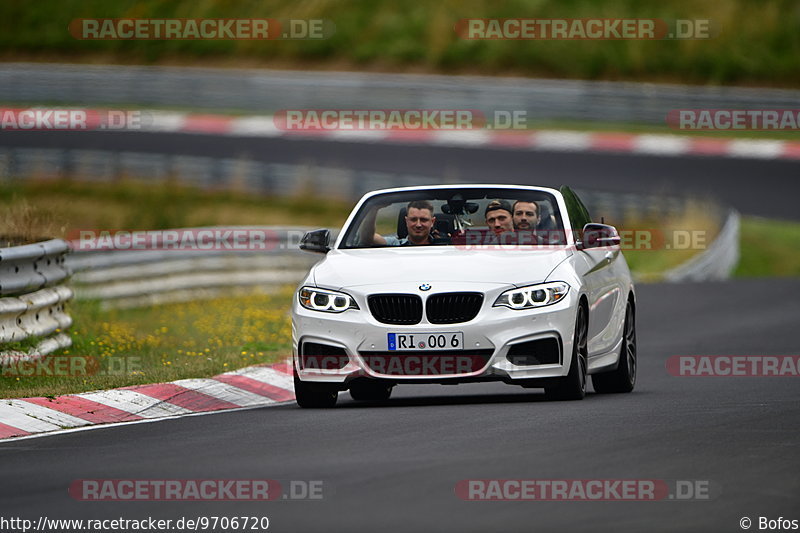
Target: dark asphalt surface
{"x": 394, "y": 467}
{"x": 760, "y": 187}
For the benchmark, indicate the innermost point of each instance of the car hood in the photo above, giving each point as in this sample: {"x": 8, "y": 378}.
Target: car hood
{"x": 353, "y": 268}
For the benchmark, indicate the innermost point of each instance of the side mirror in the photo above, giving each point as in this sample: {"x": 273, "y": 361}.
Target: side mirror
{"x": 316, "y": 241}
{"x": 598, "y": 236}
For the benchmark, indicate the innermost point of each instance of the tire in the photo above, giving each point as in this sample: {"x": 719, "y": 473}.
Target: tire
{"x": 573, "y": 386}
{"x": 314, "y": 395}
{"x": 370, "y": 391}
{"x": 623, "y": 379}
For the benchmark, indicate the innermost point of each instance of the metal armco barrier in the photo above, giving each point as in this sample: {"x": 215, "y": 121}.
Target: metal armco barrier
{"x": 176, "y": 280}
{"x": 271, "y": 90}
{"x": 24, "y": 269}
{"x": 718, "y": 261}
{"x": 33, "y": 295}
{"x": 267, "y": 178}
{"x": 134, "y": 278}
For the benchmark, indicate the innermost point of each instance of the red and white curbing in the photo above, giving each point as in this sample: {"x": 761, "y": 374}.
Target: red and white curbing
{"x": 550, "y": 140}
{"x": 253, "y": 386}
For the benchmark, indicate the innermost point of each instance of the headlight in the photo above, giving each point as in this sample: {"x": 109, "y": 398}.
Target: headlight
{"x": 533, "y": 296}
{"x": 325, "y": 300}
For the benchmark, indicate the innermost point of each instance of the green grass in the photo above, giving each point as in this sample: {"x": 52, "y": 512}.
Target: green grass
{"x": 759, "y": 42}
{"x": 648, "y": 266}
{"x": 24, "y": 345}
{"x": 769, "y": 248}
{"x": 118, "y": 348}
{"x": 669, "y": 240}
{"x": 60, "y": 208}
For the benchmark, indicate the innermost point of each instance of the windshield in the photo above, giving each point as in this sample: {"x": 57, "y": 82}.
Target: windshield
{"x": 452, "y": 217}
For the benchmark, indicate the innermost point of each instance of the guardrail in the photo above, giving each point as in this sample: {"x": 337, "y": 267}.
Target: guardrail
{"x": 31, "y": 267}
{"x": 162, "y": 280}
{"x": 257, "y": 177}
{"x": 133, "y": 278}
{"x": 715, "y": 263}
{"x": 270, "y": 90}
{"x": 246, "y": 175}
{"x": 32, "y": 306}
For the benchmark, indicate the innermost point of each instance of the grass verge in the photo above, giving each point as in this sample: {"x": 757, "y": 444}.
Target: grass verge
{"x": 769, "y": 248}
{"x": 657, "y": 244}
{"x": 758, "y": 42}
{"x": 118, "y": 348}
{"x": 59, "y": 208}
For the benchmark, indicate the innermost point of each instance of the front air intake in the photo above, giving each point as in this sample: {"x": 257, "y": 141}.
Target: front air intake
{"x": 539, "y": 352}
{"x": 317, "y": 356}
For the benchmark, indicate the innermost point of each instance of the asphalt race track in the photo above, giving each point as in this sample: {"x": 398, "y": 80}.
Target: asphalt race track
{"x": 763, "y": 187}
{"x": 394, "y": 467}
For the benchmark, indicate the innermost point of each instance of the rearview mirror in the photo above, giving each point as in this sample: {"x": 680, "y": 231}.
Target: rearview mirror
{"x": 598, "y": 236}
{"x": 316, "y": 241}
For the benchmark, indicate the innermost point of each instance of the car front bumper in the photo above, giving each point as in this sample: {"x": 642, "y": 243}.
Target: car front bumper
{"x": 488, "y": 340}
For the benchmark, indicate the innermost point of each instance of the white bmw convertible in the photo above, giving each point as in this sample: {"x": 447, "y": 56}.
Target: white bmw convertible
{"x": 464, "y": 283}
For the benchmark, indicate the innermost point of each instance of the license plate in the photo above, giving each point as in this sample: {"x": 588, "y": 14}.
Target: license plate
{"x": 426, "y": 341}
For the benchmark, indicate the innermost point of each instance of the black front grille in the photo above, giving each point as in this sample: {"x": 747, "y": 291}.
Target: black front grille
{"x": 396, "y": 308}
{"x": 453, "y": 307}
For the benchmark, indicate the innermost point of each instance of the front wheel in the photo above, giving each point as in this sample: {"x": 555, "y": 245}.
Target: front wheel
{"x": 573, "y": 386}
{"x": 624, "y": 377}
{"x": 314, "y": 395}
